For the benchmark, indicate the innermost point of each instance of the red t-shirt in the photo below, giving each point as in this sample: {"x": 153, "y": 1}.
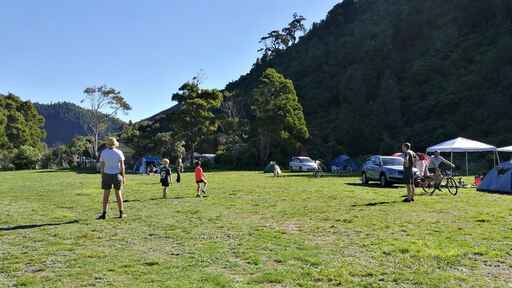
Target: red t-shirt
{"x": 199, "y": 173}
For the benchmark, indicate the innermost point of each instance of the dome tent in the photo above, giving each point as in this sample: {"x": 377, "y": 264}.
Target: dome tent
{"x": 343, "y": 163}
{"x": 498, "y": 180}
{"x": 143, "y": 163}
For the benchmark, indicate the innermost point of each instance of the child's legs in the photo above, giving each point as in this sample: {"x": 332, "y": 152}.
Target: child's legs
{"x": 166, "y": 189}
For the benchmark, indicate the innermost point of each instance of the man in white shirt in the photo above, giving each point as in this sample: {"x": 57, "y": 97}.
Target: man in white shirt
{"x": 435, "y": 167}
{"x": 112, "y": 175}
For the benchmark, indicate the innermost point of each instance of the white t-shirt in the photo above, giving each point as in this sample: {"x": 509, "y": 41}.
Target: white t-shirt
{"x": 112, "y": 159}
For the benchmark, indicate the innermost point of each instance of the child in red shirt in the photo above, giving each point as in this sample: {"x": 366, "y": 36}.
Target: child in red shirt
{"x": 200, "y": 178}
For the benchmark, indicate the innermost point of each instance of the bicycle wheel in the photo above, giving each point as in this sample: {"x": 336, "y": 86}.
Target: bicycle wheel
{"x": 428, "y": 187}
{"x": 452, "y": 187}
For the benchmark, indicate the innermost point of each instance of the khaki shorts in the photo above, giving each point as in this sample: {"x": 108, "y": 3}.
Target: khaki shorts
{"x": 111, "y": 180}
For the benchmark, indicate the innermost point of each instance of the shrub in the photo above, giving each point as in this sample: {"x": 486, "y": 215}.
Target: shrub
{"x": 26, "y": 157}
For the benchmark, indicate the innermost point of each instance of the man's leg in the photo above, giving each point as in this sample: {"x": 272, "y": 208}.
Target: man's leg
{"x": 106, "y": 196}
{"x": 120, "y": 202}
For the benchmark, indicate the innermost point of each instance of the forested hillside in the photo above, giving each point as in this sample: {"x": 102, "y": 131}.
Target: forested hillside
{"x": 66, "y": 120}
{"x": 378, "y": 72}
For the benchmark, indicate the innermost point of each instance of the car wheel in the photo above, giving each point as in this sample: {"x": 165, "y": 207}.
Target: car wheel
{"x": 383, "y": 181}
{"x": 364, "y": 179}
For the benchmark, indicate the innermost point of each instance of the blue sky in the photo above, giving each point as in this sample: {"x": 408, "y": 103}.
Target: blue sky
{"x": 51, "y": 50}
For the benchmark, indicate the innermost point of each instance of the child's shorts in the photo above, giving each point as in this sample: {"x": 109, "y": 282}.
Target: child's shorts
{"x": 200, "y": 181}
{"x": 165, "y": 183}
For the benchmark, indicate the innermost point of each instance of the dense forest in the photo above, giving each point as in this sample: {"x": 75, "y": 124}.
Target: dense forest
{"x": 64, "y": 121}
{"x": 378, "y": 72}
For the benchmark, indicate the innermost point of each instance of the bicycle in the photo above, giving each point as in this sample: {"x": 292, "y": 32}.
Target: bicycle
{"x": 447, "y": 181}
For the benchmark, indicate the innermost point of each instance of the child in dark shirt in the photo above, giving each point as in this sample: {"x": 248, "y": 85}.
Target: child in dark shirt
{"x": 165, "y": 177}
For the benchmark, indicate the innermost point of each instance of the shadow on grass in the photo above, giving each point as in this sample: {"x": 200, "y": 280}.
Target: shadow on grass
{"x": 157, "y": 199}
{"x": 310, "y": 175}
{"x": 373, "y": 204}
{"x": 52, "y": 171}
{"x": 33, "y": 226}
{"x": 374, "y": 185}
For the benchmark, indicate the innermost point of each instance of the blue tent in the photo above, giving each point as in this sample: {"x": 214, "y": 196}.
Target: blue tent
{"x": 343, "y": 163}
{"x": 144, "y": 162}
{"x": 498, "y": 180}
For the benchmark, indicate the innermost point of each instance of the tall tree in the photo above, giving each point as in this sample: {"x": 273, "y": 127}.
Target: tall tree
{"x": 103, "y": 103}
{"x": 194, "y": 120}
{"x": 278, "y": 40}
{"x": 278, "y": 116}
{"x": 20, "y": 124}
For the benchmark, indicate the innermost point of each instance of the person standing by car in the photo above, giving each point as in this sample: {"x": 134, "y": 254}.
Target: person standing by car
{"x": 409, "y": 159}
{"x": 112, "y": 175}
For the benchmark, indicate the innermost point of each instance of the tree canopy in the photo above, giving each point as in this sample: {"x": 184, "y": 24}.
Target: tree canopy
{"x": 278, "y": 118}
{"x": 21, "y": 132}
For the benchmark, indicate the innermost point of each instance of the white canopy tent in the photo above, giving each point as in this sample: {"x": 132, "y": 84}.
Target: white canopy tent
{"x": 463, "y": 145}
{"x": 505, "y": 149}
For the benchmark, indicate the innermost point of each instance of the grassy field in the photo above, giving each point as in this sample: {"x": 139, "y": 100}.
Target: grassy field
{"x": 254, "y": 231}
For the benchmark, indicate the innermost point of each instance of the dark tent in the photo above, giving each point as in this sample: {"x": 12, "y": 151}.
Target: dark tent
{"x": 343, "y": 163}
{"x": 145, "y": 162}
{"x": 498, "y": 180}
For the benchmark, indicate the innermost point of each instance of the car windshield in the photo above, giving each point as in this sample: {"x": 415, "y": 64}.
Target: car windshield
{"x": 392, "y": 161}
{"x": 305, "y": 160}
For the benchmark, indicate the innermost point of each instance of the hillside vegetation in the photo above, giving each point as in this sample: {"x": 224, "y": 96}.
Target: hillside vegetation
{"x": 65, "y": 120}
{"x": 378, "y": 72}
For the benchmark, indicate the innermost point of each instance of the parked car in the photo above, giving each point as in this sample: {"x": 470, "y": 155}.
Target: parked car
{"x": 386, "y": 170}
{"x": 302, "y": 164}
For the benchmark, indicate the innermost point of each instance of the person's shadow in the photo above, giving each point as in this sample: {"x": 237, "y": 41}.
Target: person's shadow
{"x": 373, "y": 204}
{"x": 33, "y": 226}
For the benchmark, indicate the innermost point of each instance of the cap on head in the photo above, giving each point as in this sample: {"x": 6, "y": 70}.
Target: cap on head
{"x": 112, "y": 142}
{"x": 407, "y": 146}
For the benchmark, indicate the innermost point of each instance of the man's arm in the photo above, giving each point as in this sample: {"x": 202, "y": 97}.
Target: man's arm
{"x": 102, "y": 167}
{"x": 448, "y": 163}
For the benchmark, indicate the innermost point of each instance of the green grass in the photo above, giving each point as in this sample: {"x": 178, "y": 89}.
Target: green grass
{"x": 254, "y": 231}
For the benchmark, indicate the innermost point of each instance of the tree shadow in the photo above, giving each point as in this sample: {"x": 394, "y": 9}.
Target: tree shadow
{"x": 48, "y": 171}
{"x": 372, "y": 185}
{"x": 33, "y": 226}
{"x": 311, "y": 175}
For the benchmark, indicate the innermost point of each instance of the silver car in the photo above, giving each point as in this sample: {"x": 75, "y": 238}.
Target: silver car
{"x": 302, "y": 164}
{"x": 386, "y": 170}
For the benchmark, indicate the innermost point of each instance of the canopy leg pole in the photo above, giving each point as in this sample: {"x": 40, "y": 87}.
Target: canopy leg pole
{"x": 451, "y": 160}
{"x": 467, "y": 165}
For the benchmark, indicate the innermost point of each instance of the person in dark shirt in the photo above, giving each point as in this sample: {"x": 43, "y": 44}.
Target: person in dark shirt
{"x": 165, "y": 177}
